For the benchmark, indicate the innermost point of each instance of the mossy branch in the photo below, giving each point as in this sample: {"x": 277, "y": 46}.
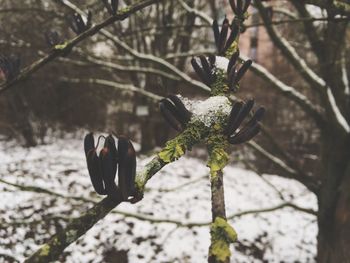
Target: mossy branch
{"x": 173, "y": 150}
{"x": 222, "y": 234}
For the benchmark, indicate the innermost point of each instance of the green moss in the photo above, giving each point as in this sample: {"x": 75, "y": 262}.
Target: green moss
{"x": 177, "y": 147}
{"x": 232, "y": 49}
{"x": 222, "y": 235}
{"x": 124, "y": 10}
{"x": 45, "y": 250}
{"x": 342, "y": 6}
{"x": 173, "y": 150}
{"x": 217, "y": 145}
{"x": 219, "y": 87}
{"x": 61, "y": 46}
{"x": 217, "y": 161}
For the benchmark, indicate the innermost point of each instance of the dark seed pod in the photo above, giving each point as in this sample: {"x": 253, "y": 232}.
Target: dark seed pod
{"x": 205, "y": 64}
{"x": 233, "y": 6}
{"x": 239, "y": 7}
{"x": 185, "y": 114}
{"x": 93, "y": 164}
{"x": 216, "y": 31}
{"x": 233, "y": 61}
{"x": 173, "y": 110}
{"x": 250, "y": 125}
{"x": 172, "y": 121}
{"x": 246, "y": 65}
{"x": 77, "y": 24}
{"x": 236, "y": 108}
{"x": 231, "y": 79}
{"x": 205, "y": 78}
{"x": 88, "y": 20}
{"x": 223, "y": 36}
{"x": 10, "y": 66}
{"x": 114, "y": 4}
{"x": 245, "y": 135}
{"x": 103, "y": 168}
{"x": 108, "y": 6}
{"x": 242, "y": 114}
{"x": 250, "y": 129}
{"x": 127, "y": 167}
{"x": 111, "y": 7}
{"x": 52, "y": 38}
{"x": 258, "y": 115}
{"x": 212, "y": 60}
{"x": 205, "y": 71}
{"x": 108, "y": 159}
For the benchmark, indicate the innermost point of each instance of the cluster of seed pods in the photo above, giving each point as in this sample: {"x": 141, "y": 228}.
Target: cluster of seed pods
{"x": 10, "y": 65}
{"x": 206, "y": 68}
{"x": 240, "y": 111}
{"x": 111, "y": 159}
{"x": 77, "y": 24}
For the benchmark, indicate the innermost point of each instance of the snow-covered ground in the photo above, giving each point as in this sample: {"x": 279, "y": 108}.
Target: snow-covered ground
{"x": 180, "y": 192}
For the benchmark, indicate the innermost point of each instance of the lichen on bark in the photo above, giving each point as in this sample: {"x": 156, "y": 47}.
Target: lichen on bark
{"x": 219, "y": 88}
{"x": 177, "y": 147}
{"x": 222, "y": 235}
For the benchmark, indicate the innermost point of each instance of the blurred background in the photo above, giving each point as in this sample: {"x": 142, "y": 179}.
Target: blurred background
{"x": 107, "y": 85}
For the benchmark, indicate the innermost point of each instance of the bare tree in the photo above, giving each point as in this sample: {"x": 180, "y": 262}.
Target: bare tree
{"x": 323, "y": 95}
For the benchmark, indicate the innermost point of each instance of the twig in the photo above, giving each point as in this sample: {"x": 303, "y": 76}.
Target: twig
{"x": 121, "y": 15}
{"x": 127, "y": 87}
{"x": 309, "y": 182}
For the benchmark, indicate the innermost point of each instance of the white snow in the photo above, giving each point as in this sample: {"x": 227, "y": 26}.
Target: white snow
{"x": 339, "y": 116}
{"x": 208, "y": 111}
{"x": 283, "y": 235}
{"x": 221, "y": 63}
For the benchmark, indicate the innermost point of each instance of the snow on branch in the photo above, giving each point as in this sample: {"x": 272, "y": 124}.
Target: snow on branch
{"x": 119, "y": 67}
{"x": 146, "y": 57}
{"x": 345, "y": 76}
{"x": 196, "y": 12}
{"x": 337, "y": 113}
{"x": 113, "y": 84}
{"x": 290, "y": 53}
{"x": 288, "y": 92}
{"x": 292, "y": 173}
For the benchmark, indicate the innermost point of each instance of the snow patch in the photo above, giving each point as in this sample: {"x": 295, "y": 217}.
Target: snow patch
{"x": 180, "y": 191}
{"x": 221, "y": 63}
{"x": 208, "y": 111}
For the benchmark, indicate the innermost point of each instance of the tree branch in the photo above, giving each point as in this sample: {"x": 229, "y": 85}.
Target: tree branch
{"x": 121, "y": 15}
{"x": 288, "y": 92}
{"x": 309, "y": 182}
{"x": 79, "y": 226}
{"x": 145, "y": 57}
{"x": 338, "y": 6}
{"x": 290, "y": 53}
{"x": 127, "y": 87}
{"x": 310, "y": 30}
{"x": 126, "y": 68}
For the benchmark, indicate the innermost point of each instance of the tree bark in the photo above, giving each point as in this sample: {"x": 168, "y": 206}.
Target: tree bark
{"x": 334, "y": 201}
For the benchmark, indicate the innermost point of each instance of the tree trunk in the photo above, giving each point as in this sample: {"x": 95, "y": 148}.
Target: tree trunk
{"x": 334, "y": 201}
